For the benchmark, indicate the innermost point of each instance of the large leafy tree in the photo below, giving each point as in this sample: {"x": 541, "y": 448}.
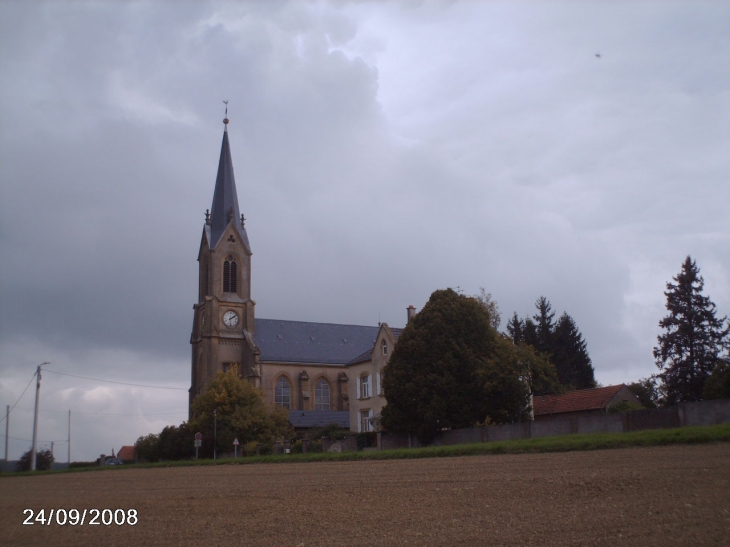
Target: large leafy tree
{"x": 233, "y": 408}
{"x": 230, "y": 408}
{"x": 693, "y": 340}
{"x": 451, "y": 369}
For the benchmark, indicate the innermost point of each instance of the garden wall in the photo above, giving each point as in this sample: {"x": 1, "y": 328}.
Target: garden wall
{"x": 682, "y": 415}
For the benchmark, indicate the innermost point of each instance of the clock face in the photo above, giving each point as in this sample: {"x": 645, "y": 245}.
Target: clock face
{"x": 230, "y": 318}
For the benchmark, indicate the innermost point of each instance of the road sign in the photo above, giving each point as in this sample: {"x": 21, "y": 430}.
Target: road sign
{"x": 198, "y": 436}
{"x": 235, "y": 442}
{"x": 198, "y": 443}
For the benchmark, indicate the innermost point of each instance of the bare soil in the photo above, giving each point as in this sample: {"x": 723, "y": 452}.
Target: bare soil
{"x": 678, "y": 495}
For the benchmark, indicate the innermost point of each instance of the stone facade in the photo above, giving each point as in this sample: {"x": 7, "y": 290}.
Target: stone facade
{"x": 366, "y": 384}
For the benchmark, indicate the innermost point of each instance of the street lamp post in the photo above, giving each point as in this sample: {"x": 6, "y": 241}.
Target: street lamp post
{"x": 35, "y": 416}
{"x": 215, "y": 434}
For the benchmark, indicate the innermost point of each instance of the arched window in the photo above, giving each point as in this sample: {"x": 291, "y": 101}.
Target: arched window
{"x": 282, "y": 393}
{"x": 322, "y": 395}
{"x": 230, "y": 275}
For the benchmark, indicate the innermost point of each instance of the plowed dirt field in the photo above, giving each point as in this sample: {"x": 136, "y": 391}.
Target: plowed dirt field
{"x": 661, "y": 496}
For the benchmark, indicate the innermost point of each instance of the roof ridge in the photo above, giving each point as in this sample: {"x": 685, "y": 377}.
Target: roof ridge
{"x": 318, "y": 323}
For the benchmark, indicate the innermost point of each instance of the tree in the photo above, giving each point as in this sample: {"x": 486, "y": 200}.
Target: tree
{"x": 543, "y": 325}
{"x": 516, "y": 329}
{"x": 43, "y": 461}
{"x": 485, "y": 299}
{"x": 450, "y": 369}
{"x": 176, "y": 442}
{"x": 240, "y": 412}
{"x": 561, "y": 342}
{"x": 647, "y": 391}
{"x": 694, "y": 338}
{"x": 569, "y": 354}
{"x": 717, "y": 385}
{"x": 148, "y": 448}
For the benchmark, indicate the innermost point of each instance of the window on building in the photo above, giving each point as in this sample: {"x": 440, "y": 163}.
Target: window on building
{"x": 322, "y": 395}
{"x": 230, "y": 275}
{"x": 365, "y": 424}
{"x": 385, "y": 347}
{"x": 282, "y": 393}
{"x": 365, "y": 388}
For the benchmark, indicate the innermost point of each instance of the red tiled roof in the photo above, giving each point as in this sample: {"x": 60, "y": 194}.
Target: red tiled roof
{"x": 575, "y": 401}
{"x": 126, "y": 453}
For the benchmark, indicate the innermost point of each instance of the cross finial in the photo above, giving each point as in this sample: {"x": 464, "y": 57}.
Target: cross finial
{"x": 243, "y": 221}
{"x": 225, "y": 120}
{"x": 207, "y": 217}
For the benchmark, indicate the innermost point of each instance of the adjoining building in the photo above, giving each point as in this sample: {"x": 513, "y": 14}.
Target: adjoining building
{"x": 582, "y": 402}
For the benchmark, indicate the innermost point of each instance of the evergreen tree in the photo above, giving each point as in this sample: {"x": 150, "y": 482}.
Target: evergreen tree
{"x": 569, "y": 354}
{"x": 529, "y": 333}
{"x": 515, "y": 328}
{"x": 561, "y": 342}
{"x": 694, "y": 338}
{"x": 544, "y": 325}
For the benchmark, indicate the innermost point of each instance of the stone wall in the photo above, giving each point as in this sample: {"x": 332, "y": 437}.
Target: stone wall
{"x": 683, "y": 415}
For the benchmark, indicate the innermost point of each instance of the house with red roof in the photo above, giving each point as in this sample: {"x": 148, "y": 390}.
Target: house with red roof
{"x": 126, "y": 454}
{"x": 582, "y": 402}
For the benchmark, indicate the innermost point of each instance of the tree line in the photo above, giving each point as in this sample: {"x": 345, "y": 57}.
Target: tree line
{"x": 452, "y": 368}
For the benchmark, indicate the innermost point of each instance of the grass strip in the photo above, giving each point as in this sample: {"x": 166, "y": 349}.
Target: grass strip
{"x": 566, "y": 443}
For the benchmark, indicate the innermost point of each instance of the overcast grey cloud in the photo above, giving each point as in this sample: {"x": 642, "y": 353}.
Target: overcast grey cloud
{"x": 382, "y": 151}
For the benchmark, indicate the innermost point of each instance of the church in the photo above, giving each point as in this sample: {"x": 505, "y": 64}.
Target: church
{"x": 320, "y": 372}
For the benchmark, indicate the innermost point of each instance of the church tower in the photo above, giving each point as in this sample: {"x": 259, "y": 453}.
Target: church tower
{"x": 223, "y": 323}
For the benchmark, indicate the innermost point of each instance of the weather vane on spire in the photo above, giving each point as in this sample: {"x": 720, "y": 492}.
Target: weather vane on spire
{"x": 225, "y": 120}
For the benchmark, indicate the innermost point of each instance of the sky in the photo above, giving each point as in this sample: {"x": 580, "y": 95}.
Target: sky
{"x": 382, "y": 151}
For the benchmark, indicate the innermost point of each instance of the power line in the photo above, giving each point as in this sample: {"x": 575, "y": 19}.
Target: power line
{"x": 112, "y": 381}
{"x": 19, "y": 398}
{"x": 77, "y": 412}
{"x": 30, "y": 441}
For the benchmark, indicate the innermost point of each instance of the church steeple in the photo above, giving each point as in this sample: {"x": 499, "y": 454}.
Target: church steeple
{"x": 225, "y": 199}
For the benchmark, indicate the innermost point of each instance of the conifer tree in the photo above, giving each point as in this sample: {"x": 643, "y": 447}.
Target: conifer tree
{"x": 515, "y": 328}
{"x": 694, "y": 338}
{"x": 544, "y": 325}
{"x": 561, "y": 342}
{"x": 569, "y": 354}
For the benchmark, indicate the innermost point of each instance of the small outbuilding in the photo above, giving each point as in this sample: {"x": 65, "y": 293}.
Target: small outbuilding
{"x": 582, "y": 402}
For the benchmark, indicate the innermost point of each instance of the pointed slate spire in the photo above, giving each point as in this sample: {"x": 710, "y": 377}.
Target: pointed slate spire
{"x": 225, "y": 199}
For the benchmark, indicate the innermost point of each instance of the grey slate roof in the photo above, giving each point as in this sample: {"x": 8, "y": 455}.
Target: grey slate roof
{"x": 318, "y": 418}
{"x": 225, "y": 197}
{"x": 305, "y": 342}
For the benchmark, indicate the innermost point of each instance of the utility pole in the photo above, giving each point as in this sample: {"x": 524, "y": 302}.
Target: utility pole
{"x": 35, "y": 416}
{"x": 215, "y": 434}
{"x": 69, "y": 437}
{"x": 51, "y": 449}
{"x": 7, "y": 432}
